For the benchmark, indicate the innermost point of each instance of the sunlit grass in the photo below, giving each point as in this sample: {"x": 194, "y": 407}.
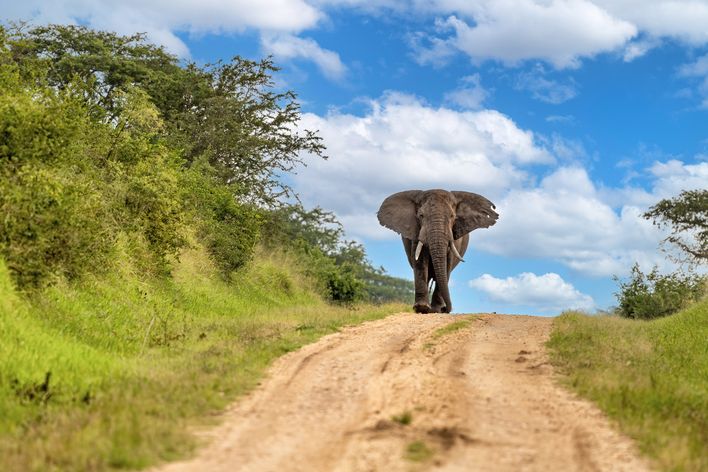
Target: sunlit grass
{"x": 650, "y": 376}
{"x": 133, "y": 362}
{"x": 453, "y": 327}
{"x": 418, "y": 451}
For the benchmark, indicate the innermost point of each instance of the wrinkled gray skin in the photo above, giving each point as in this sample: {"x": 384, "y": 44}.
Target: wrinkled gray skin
{"x": 438, "y": 219}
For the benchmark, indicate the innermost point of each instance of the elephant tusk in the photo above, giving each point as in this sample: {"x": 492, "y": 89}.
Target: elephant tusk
{"x": 418, "y": 249}
{"x": 454, "y": 251}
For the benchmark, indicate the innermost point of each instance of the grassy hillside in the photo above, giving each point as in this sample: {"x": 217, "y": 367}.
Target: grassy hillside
{"x": 107, "y": 372}
{"x": 649, "y": 376}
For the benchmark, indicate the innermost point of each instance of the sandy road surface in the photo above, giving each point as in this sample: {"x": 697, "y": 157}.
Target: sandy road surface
{"x": 480, "y": 398}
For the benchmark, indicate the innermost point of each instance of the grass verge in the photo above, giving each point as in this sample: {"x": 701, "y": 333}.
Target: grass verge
{"x": 111, "y": 373}
{"x": 650, "y": 376}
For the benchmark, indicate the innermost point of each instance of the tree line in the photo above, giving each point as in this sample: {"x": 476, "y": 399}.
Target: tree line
{"x": 111, "y": 147}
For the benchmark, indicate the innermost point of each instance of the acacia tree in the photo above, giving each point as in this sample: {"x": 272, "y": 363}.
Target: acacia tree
{"x": 686, "y": 215}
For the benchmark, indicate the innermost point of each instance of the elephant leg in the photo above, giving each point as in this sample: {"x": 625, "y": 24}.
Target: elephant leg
{"x": 438, "y": 303}
{"x": 420, "y": 276}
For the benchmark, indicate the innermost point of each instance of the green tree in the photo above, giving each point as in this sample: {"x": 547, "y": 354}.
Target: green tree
{"x": 229, "y": 112}
{"x": 686, "y": 215}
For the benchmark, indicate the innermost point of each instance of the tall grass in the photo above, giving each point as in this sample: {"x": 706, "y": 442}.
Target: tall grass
{"x": 107, "y": 373}
{"x": 650, "y": 376}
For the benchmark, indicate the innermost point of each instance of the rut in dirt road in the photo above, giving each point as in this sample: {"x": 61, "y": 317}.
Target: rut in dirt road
{"x": 417, "y": 392}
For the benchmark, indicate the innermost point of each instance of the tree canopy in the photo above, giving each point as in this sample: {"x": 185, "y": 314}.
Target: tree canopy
{"x": 686, "y": 216}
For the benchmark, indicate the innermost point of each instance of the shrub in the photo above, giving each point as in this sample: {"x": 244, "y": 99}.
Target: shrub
{"x": 229, "y": 229}
{"x": 53, "y": 220}
{"x": 653, "y": 295}
{"x": 69, "y": 183}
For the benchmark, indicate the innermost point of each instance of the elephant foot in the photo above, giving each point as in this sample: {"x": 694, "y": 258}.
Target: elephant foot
{"x": 440, "y": 309}
{"x": 421, "y": 307}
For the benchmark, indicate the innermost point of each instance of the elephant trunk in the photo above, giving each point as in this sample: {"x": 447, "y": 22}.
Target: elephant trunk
{"x": 439, "y": 243}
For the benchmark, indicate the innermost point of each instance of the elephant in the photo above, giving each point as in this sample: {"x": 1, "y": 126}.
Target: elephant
{"x": 434, "y": 226}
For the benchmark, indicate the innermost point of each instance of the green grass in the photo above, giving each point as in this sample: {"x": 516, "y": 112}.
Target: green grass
{"x": 452, "y": 327}
{"x": 418, "y": 451}
{"x": 649, "y": 376}
{"x": 135, "y": 363}
{"x": 404, "y": 418}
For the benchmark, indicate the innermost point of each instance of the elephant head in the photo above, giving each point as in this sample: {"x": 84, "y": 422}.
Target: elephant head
{"x": 436, "y": 219}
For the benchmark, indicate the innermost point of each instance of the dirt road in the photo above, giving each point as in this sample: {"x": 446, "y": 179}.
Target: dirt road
{"x": 405, "y": 393}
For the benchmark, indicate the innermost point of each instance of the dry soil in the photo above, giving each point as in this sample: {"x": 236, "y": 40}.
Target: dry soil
{"x": 397, "y": 395}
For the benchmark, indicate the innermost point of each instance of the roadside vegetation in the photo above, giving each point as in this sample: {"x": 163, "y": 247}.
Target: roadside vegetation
{"x": 649, "y": 376}
{"x": 111, "y": 372}
{"x": 646, "y": 364}
{"x": 152, "y": 262}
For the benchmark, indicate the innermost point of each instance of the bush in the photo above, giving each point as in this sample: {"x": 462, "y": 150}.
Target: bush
{"x": 230, "y": 230}
{"x": 70, "y": 184}
{"x": 653, "y": 295}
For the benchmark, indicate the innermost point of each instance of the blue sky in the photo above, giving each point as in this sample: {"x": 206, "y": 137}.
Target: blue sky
{"x": 572, "y": 116}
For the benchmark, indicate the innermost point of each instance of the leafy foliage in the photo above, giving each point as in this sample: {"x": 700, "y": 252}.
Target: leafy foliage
{"x": 651, "y": 377}
{"x": 687, "y": 216}
{"x": 71, "y": 184}
{"x": 341, "y": 267}
{"x": 107, "y": 138}
{"x": 229, "y": 229}
{"x": 653, "y": 295}
{"x": 228, "y": 113}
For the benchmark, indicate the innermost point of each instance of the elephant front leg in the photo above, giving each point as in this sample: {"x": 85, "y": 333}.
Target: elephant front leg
{"x": 420, "y": 276}
{"x": 438, "y": 305}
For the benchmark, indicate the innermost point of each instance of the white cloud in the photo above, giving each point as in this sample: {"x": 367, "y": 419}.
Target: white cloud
{"x": 548, "y": 292}
{"x": 207, "y": 15}
{"x": 684, "y": 20}
{"x": 673, "y": 176}
{"x": 563, "y": 32}
{"x": 276, "y": 20}
{"x": 544, "y": 89}
{"x": 560, "y": 32}
{"x": 402, "y": 144}
{"x": 470, "y": 95}
{"x": 291, "y": 47}
{"x": 568, "y": 219}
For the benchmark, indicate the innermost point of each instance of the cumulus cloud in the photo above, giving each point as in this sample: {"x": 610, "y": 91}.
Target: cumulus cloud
{"x": 563, "y": 32}
{"x": 547, "y": 292}
{"x": 564, "y": 219}
{"x": 560, "y": 32}
{"x": 684, "y": 20}
{"x": 673, "y": 176}
{"x": 402, "y": 143}
{"x": 292, "y": 47}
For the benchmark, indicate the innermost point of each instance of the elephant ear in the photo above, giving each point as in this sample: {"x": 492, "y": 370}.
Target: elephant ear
{"x": 398, "y": 212}
{"x": 473, "y": 211}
